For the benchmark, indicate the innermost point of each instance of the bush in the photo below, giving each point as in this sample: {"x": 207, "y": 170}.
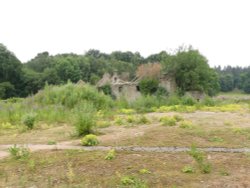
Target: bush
{"x": 110, "y": 155}
{"x": 148, "y": 86}
{"x": 19, "y": 152}
{"x": 143, "y": 120}
{"x": 146, "y": 103}
{"x": 208, "y": 101}
{"x": 89, "y": 140}
{"x": 85, "y": 119}
{"x": 188, "y": 169}
{"x": 186, "y": 125}
{"x": 188, "y": 100}
{"x": 29, "y": 120}
{"x": 178, "y": 118}
{"x": 70, "y": 95}
{"x": 168, "y": 121}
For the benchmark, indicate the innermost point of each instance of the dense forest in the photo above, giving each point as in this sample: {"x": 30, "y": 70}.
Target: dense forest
{"x": 188, "y": 66}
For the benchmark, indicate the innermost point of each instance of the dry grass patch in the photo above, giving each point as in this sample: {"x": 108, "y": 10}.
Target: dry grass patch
{"x": 72, "y": 168}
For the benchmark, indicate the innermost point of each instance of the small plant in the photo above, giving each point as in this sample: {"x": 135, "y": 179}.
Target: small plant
{"x": 32, "y": 165}
{"x": 131, "y": 119}
{"x": 206, "y": 168}
{"x": 178, "y": 118}
{"x": 216, "y": 139}
{"x": 127, "y": 180}
{"x": 89, "y": 140}
{"x": 168, "y": 121}
{"x": 196, "y": 154}
{"x": 143, "y": 120}
{"x": 144, "y": 171}
{"x": 127, "y": 111}
{"x": 29, "y": 120}
{"x": 119, "y": 121}
{"x": 102, "y": 124}
{"x": 19, "y": 152}
{"x": 110, "y": 155}
{"x": 188, "y": 169}
{"x": 133, "y": 182}
{"x": 84, "y": 123}
{"x": 186, "y": 125}
{"x": 51, "y": 142}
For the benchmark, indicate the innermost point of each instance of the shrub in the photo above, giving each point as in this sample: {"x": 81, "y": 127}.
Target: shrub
{"x": 19, "y": 152}
{"x": 85, "y": 119}
{"x": 206, "y": 168}
{"x": 110, "y": 155}
{"x": 188, "y": 100}
{"x": 119, "y": 121}
{"x": 131, "y": 119}
{"x": 70, "y": 95}
{"x": 148, "y": 86}
{"x": 143, "y": 120}
{"x": 188, "y": 169}
{"x": 29, "y": 120}
{"x": 168, "y": 121}
{"x": 146, "y": 103}
{"x": 89, "y": 140}
{"x": 186, "y": 125}
{"x": 208, "y": 101}
{"x": 178, "y": 118}
{"x": 161, "y": 91}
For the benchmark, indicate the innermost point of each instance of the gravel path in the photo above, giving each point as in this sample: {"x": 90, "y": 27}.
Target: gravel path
{"x": 37, "y": 147}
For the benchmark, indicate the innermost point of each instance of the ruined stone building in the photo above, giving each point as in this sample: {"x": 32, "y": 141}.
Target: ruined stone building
{"x": 130, "y": 89}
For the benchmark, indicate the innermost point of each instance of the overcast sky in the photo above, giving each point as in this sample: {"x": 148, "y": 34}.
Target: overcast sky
{"x": 220, "y": 29}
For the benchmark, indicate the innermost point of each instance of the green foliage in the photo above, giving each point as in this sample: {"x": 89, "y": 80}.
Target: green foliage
{"x": 178, "y": 118}
{"x": 146, "y": 103}
{"x": 205, "y": 167}
{"x": 143, "y": 120}
{"x": 192, "y": 72}
{"x": 208, "y": 101}
{"x": 106, "y": 89}
{"x": 133, "y": 182}
{"x": 144, "y": 171}
{"x": 29, "y": 120}
{"x": 246, "y": 86}
{"x": 85, "y": 119}
{"x": 20, "y": 153}
{"x": 111, "y": 155}
{"x": 168, "y": 121}
{"x": 148, "y": 86}
{"x": 89, "y": 140}
{"x": 186, "y": 125}
{"x": 188, "y": 100}
{"x": 188, "y": 169}
{"x": 70, "y": 95}
{"x": 10, "y": 73}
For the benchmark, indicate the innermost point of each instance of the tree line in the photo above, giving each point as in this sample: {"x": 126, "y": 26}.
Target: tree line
{"x": 188, "y": 66}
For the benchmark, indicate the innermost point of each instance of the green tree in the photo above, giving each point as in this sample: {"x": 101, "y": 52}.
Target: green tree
{"x": 10, "y": 72}
{"x": 191, "y": 71}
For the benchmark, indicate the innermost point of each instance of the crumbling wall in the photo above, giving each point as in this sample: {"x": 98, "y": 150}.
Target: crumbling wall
{"x": 128, "y": 91}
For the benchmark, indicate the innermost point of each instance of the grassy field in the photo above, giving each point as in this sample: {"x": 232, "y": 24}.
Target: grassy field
{"x": 56, "y": 120}
{"x": 72, "y": 168}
